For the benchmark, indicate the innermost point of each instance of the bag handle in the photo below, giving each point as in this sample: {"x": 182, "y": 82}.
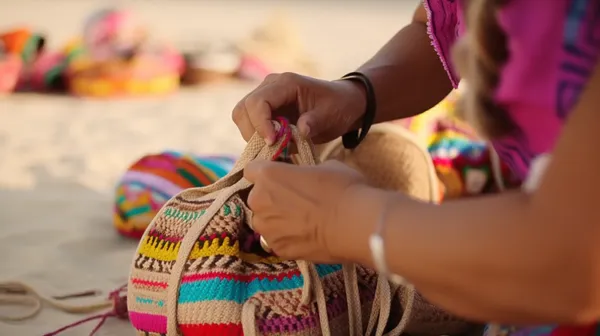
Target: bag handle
{"x": 257, "y": 149}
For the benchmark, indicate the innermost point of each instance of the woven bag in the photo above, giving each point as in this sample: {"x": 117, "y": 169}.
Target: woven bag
{"x": 199, "y": 270}
{"x": 393, "y": 158}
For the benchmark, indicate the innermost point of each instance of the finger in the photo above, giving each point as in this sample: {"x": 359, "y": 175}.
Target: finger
{"x": 287, "y": 248}
{"x": 240, "y": 114}
{"x": 260, "y": 116}
{"x": 265, "y": 225}
{"x": 242, "y": 121}
{"x": 334, "y": 164}
{"x": 307, "y": 125}
{"x": 256, "y": 169}
{"x": 256, "y": 202}
{"x": 264, "y": 100}
{"x": 338, "y": 167}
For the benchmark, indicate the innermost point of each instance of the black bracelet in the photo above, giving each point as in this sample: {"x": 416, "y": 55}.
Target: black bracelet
{"x": 352, "y": 139}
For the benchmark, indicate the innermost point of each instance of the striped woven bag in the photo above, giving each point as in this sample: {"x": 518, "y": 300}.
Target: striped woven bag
{"x": 200, "y": 270}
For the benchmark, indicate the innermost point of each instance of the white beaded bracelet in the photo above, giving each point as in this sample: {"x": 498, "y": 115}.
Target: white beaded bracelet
{"x": 537, "y": 170}
{"x": 377, "y": 247}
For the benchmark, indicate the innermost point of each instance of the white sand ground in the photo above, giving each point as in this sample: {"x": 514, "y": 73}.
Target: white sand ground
{"x": 60, "y": 156}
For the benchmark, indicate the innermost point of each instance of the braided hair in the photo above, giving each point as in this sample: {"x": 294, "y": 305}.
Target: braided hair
{"x": 479, "y": 57}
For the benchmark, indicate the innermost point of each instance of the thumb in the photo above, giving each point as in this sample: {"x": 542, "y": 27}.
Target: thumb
{"x": 309, "y": 125}
{"x": 254, "y": 169}
{"x": 258, "y": 170}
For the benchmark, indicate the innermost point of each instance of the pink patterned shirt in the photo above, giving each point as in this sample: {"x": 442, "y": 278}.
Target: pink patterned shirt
{"x": 553, "y": 46}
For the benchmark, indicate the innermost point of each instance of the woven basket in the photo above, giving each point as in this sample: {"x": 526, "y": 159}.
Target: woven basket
{"x": 145, "y": 75}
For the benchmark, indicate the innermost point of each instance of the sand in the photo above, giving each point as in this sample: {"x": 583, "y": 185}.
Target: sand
{"x": 62, "y": 156}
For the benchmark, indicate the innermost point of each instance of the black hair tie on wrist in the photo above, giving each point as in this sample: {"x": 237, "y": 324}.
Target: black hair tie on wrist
{"x": 352, "y": 139}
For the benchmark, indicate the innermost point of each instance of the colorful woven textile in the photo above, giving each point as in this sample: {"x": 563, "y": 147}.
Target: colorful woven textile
{"x": 24, "y": 43}
{"x": 112, "y": 33}
{"x": 15, "y": 41}
{"x": 151, "y": 181}
{"x": 45, "y": 73}
{"x": 115, "y": 58}
{"x": 464, "y": 162}
{"x": 145, "y": 75}
{"x": 200, "y": 270}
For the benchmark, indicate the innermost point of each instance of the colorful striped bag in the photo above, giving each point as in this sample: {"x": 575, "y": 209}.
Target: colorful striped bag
{"x": 200, "y": 270}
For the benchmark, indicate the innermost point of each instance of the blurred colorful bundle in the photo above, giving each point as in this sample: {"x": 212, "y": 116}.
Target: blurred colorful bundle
{"x": 10, "y": 67}
{"x": 114, "y": 55}
{"x": 118, "y": 59}
{"x": 13, "y": 46}
{"x": 463, "y": 160}
{"x": 40, "y": 70}
{"x": 24, "y": 43}
{"x": 273, "y": 47}
{"x": 154, "y": 179}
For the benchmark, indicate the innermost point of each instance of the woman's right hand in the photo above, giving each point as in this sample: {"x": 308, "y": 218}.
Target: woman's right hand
{"x": 322, "y": 110}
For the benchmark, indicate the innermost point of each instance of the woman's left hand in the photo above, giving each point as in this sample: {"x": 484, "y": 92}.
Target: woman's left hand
{"x": 296, "y": 208}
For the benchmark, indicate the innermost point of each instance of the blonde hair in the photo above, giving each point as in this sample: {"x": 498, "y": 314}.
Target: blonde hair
{"x": 479, "y": 57}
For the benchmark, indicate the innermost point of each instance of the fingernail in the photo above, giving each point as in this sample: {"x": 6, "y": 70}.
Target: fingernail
{"x": 307, "y": 131}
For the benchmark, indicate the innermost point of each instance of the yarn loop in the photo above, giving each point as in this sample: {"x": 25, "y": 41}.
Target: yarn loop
{"x": 19, "y": 293}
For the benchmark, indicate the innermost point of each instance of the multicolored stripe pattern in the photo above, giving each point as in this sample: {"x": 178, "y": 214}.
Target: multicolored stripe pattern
{"x": 225, "y": 270}
{"x": 154, "y": 179}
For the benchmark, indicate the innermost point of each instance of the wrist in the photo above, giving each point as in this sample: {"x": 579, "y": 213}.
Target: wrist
{"x": 357, "y": 104}
{"x": 353, "y": 138}
{"x": 359, "y": 210}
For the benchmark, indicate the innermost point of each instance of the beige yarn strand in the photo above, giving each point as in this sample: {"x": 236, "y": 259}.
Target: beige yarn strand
{"x": 353, "y": 299}
{"x": 385, "y": 305}
{"x": 249, "y": 319}
{"x": 14, "y": 292}
{"x": 496, "y": 169}
{"x": 410, "y": 292}
{"x": 374, "y": 313}
{"x": 320, "y": 298}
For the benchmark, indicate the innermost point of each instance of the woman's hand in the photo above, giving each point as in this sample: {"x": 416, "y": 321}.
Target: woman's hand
{"x": 322, "y": 110}
{"x": 297, "y": 208}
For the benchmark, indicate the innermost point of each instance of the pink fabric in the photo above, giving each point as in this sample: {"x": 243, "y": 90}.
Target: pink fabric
{"x": 34, "y": 77}
{"x": 10, "y": 67}
{"x": 253, "y": 68}
{"x": 444, "y": 25}
{"x": 553, "y": 46}
{"x": 103, "y": 29}
{"x": 149, "y": 322}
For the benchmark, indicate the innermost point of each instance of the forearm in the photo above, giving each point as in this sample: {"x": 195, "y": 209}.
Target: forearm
{"x": 481, "y": 258}
{"x": 407, "y": 75}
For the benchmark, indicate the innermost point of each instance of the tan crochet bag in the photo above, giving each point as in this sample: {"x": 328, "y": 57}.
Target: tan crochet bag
{"x": 393, "y": 158}
{"x": 199, "y": 270}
